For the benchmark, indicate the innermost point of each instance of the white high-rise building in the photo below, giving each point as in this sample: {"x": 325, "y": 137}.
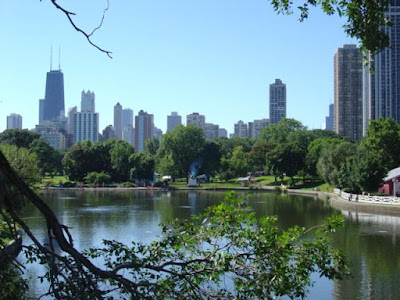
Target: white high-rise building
{"x": 196, "y": 119}
{"x": 127, "y": 117}
{"x": 128, "y": 135}
{"x": 173, "y": 121}
{"x": 14, "y": 121}
{"x": 211, "y": 131}
{"x": 86, "y": 126}
{"x": 240, "y": 129}
{"x": 70, "y": 122}
{"x": 222, "y": 132}
{"x": 255, "y": 127}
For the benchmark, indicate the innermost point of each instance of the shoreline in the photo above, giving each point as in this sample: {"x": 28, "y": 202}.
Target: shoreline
{"x": 335, "y": 200}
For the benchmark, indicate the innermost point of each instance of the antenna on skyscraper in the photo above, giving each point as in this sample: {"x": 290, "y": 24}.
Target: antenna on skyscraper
{"x": 59, "y": 58}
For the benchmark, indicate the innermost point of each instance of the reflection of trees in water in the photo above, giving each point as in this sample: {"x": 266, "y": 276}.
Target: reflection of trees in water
{"x": 371, "y": 243}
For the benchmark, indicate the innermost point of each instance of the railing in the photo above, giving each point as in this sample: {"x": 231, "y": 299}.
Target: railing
{"x": 366, "y": 198}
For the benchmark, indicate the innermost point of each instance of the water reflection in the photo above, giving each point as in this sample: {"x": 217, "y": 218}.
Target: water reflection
{"x": 370, "y": 241}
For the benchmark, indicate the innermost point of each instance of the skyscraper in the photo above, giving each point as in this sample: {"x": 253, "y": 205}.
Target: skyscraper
{"x": 127, "y": 117}
{"x": 240, "y": 129}
{"x": 53, "y": 106}
{"x": 277, "y": 101}
{"x": 255, "y": 127}
{"x": 196, "y": 119}
{"x": 70, "y": 122}
{"x": 211, "y": 131}
{"x": 173, "y": 121}
{"x": 86, "y": 126}
{"x": 14, "y": 121}
{"x": 348, "y": 79}
{"x": 118, "y": 121}
{"x": 87, "y": 101}
{"x": 144, "y": 129}
{"x": 382, "y": 85}
{"x": 329, "y": 118}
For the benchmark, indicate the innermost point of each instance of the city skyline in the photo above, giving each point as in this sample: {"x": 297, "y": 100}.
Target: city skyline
{"x": 200, "y": 56}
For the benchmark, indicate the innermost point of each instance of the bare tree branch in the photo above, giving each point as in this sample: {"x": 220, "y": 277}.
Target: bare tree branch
{"x": 70, "y": 14}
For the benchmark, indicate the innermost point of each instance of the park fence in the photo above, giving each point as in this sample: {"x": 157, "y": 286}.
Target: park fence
{"x": 367, "y": 198}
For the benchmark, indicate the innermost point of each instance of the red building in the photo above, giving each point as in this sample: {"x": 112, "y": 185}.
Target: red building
{"x": 391, "y": 185}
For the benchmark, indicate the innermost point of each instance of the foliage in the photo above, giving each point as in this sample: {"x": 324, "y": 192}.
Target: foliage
{"x": 238, "y": 163}
{"x": 314, "y": 151}
{"x": 97, "y": 177}
{"x": 287, "y": 158}
{"x": 152, "y": 145}
{"x": 143, "y": 166}
{"x": 383, "y": 138}
{"x": 211, "y": 157}
{"x": 120, "y": 151}
{"x": 224, "y": 253}
{"x": 332, "y": 160}
{"x": 365, "y": 19}
{"x": 184, "y": 146}
{"x": 13, "y": 286}
{"x": 22, "y": 161}
{"x": 279, "y": 133}
{"x": 78, "y": 161}
{"x": 18, "y": 137}
{"x": 49, "y": 160}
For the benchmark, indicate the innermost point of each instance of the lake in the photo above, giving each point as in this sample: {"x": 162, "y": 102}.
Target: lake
{"x": 370, "y": 241}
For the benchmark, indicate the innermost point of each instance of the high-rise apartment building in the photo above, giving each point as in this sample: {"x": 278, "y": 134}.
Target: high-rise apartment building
{"x": 53, "y": 105}
{"x": 222, "y": 132}
{"x": 157, "y": 133}
{"x": 277, "y": 101}
{"x": 86, "y": 126}
{"x": 211, "y": 131}
{"x": 196, "y": 119}
{"x": 144, "y": 129}
{"x": 14, "y": 121}
{"x": 87, "y": 101}
{"x": 255, "y": 127}
{"x": 173, "y": 121}
{"x": 382, "y": 85}
{"x": 329, "y": 118}
{"x": 70, "y": 122}
{"x": 348, "y": 89}
{"x": 240, "y": 129}
{"x": 118, "y": 121}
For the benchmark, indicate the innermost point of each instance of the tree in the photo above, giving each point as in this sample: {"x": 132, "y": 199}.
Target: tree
{"x": 48, "y": 157}
{"x": 142, "y": 166}
{"x": 18, "y": 137}
{"x": 383, "y": 138}
{"x": 314, "y": 151}
{"x": 184, "y": 145}
{"x": 332, "y": 160}
{"x": 78, "y": 161}
{"x": 97, "y": 177}
{"x": 152, "y": 145}
{"x": 211, "y": 156}
{"x": 120, "y": 152}
{"x": 286, "y": 158}
{"x": 24, "y": 163}
{"x": 279, "y": 133}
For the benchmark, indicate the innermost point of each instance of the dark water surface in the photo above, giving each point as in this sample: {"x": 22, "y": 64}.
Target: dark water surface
{"x": 370, "y": 241}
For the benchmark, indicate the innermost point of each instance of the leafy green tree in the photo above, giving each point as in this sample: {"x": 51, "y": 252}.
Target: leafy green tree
{"x": 332, "y": 159}
{"x": 152, "y": 145}
{"x": 211, "y": 156}
{"x": 285, "y": 158}
{"x": 24, "y": 163}
{"x": 228, "y": 145}
{"x": 79, "y": 160}
{"x": 48, "y": 157}
{"x": 383, "y": 138}
{"x": 238, "y": 163}
{"x": 314, "y": 151}
{"x": 18, "y": 137}
{"x": 279, "y": 133}
{"x": 142, "y": 166}
{"x": 257, "y": 155}
{"x": 120, "y": 153}
{"x": 184, "y": 145}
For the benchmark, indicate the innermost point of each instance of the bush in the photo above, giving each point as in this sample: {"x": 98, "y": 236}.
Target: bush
{"x": 97, "y": 177}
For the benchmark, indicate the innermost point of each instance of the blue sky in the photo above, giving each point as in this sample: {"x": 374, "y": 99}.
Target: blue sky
{"x": 215, "y": 57}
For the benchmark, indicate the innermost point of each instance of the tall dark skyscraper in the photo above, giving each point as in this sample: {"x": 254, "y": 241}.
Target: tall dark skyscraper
{"x": 54, "y": 99}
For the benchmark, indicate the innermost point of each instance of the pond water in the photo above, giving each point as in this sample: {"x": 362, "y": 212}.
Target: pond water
{"x": 370, "y": 241}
